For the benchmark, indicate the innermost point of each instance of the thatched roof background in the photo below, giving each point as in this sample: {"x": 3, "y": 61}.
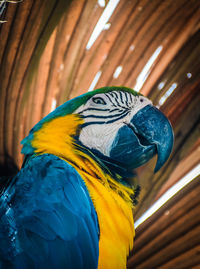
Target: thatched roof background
{"x": 46, "y": 58}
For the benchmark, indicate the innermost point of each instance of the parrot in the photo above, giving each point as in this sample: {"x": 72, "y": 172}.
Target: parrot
{"x": 71, "y": 204}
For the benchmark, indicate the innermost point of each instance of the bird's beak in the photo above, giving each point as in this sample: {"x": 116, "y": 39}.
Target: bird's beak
{"x": 152, "y": 127}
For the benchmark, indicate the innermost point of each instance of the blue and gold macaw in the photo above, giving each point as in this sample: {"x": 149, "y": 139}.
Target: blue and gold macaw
{"x": 70, "y": 205}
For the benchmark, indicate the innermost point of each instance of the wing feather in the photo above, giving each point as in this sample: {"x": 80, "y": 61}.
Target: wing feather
{"x": 47, "y": 219}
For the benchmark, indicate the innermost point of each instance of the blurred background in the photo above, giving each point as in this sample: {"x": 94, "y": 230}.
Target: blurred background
{"x": 52, "y": 51}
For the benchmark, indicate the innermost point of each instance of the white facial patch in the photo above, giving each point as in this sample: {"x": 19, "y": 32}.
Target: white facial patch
{"x": 100, "y": 137}
{"x": 104, "y": 114}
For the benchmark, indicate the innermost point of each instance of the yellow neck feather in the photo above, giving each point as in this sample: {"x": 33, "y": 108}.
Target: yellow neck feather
{"x": 111, "y": 199}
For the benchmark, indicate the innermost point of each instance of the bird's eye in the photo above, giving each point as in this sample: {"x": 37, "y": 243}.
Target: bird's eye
{"x": 98, "y": 100}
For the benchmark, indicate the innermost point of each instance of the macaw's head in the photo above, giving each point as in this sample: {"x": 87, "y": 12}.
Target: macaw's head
{"x": 116, "y": 125}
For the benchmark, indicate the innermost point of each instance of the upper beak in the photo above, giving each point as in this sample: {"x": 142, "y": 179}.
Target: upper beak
{"x": 152, "y": 127}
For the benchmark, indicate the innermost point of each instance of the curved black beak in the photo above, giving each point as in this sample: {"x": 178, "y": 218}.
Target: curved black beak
{"x": 153, "y": 128}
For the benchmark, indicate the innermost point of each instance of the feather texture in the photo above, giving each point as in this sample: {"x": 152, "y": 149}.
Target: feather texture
{"x": 43, "y": 223}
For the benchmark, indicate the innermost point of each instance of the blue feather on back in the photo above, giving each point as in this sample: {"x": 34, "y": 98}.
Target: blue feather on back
{"x": 47, "y": 219}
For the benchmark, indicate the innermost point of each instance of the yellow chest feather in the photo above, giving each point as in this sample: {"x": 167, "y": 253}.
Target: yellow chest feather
{"x": 116, "y": 224}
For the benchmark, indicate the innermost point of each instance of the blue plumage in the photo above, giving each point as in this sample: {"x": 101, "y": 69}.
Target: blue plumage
{"x": 43, "y": 224}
